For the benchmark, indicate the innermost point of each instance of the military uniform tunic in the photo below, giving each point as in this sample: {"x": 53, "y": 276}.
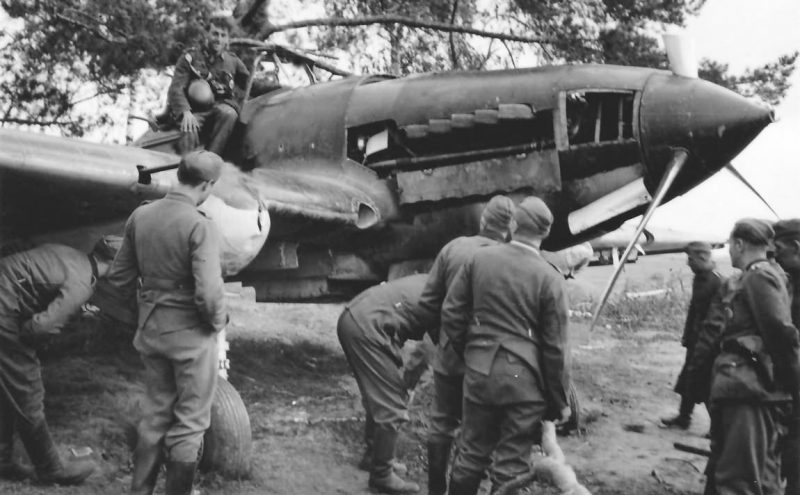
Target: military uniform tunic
{"x": 705, "y": 286}
{"x": 172, "y": 248}
{"x": 371, "y": 330}
{"x": 506, "y": 312}
{"x": 448, "y": 367}
{"x": 751, "y": 384}
{"x": 39, "y": 290}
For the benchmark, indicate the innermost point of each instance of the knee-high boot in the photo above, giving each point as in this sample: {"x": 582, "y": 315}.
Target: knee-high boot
{"x": 147, "y": 460}
{"x": 180, "y": 477}
{"x": 382, "y": 478}
{"x": 42, "y": 452}
{"x": 9, "y": 469}
{"x": 438, "y": 457}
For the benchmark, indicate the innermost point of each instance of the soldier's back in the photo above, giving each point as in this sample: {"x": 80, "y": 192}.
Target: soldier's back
{"x": 163, "y": 237}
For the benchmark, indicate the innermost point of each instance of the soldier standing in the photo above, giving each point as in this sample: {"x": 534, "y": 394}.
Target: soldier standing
{"x": 39, "y": 290}
{"x": 448, "y": 368}
{"x": 506, "y": 314}
{"x": 706, "y": 284}
{"x": 787, "y": 254}
{"x": 224, "y": 73}
{"x": 171, "y": 248}
{"x": 755, "y": 375}
{"x": 371, "y": 330}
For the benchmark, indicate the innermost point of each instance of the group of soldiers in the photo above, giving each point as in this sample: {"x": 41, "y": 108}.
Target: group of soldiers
{"x": 168, "y": 261}
{"x": 496, "y": 309}
{"x": 498, "y": 313}
{"x": 741, "y": 342}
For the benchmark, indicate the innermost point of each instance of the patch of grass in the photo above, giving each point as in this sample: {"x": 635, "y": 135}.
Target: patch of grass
{"x": 262, "y": 369}
{"x": 663, "y": 308}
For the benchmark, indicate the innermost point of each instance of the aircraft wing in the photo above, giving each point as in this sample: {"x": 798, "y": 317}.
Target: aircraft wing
{"x": 68, "y": 190}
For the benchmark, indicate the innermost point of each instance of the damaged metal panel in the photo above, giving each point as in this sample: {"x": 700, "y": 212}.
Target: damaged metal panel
{"x": 537, "y": 171}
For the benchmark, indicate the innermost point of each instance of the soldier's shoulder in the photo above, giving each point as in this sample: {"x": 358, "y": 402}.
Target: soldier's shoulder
{"x": 227, "y": 55}
{"x": 190, "y": 54}
{"x": 763, "y": 269}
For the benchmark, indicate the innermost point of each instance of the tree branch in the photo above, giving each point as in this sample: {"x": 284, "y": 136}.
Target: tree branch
{"x": 93, "y": 29}
{"x": 266, "y": 31}
{"x": 453, "y": 54}
{"x": 15, "y": 120}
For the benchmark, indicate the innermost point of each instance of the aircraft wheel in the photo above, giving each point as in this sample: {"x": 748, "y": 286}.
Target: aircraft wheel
{"x": 228, "y": 443}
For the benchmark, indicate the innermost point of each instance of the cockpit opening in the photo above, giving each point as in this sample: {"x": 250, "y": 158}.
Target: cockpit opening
{"x": 595, "y": 116}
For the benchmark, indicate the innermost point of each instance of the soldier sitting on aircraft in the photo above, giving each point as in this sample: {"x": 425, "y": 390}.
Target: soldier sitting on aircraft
{"x": 39, "y": 290}
{"x": 202, "y": 98}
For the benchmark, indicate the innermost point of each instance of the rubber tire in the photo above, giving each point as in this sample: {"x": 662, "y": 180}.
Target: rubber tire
{"x": 228, "y": 442}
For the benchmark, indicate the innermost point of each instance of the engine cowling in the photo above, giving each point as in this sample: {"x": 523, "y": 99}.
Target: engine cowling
{"x": 242, "y": 219}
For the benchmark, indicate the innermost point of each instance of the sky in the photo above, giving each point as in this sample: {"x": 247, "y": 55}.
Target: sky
{"x": 747, "y": 33}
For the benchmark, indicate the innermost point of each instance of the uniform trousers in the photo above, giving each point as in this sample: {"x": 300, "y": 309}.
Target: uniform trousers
{"x": 377, "y": 366}
{"x": 447, "y": 407}
{"x": 21, "y": 387}
{"x": 180, "y": 380}
{"x": 507, "y": 430}
{"x": 746, "y": 438}
{"x": 216, "y": 126}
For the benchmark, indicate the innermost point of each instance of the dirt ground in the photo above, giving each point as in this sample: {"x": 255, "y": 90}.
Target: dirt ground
{"x": 306, "y": 414}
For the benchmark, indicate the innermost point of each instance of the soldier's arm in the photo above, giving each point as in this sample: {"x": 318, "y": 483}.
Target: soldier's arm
{"x": 765, "y": 295}
{"x": 710, "y": 291}
{"x": 241, "y": 75}
{"x": 71, "y": 296}
{"x": 687, "y": 326}
{"x": 428, "y": 310}
{"x": 706, "y": 349}
{"x": 176, "y": 95}
{"x": 209, "y": 291}
{"x": 457, "y": 309}
{"x": 554, "y": 346}
{"x": 124, "y": 271}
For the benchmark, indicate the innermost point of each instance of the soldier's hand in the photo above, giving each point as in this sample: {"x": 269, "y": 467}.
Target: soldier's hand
{"x": 564, "y": 416}
{"x": 189, "y": 122}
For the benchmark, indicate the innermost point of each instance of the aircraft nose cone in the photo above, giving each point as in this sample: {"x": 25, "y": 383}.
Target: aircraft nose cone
{"x": 713, "y": 123}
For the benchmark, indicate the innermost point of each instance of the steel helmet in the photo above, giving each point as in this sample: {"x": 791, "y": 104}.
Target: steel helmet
{"x": 200, "y": 96}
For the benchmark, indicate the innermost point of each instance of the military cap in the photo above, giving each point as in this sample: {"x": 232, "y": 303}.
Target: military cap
{"x": 699, "y": 249}
{"x": 498, "y": 212}
{"x": 221, "y": 18}
{"x": 787, "y": 229}
{"x": 698, "y": 246}
{"x": 533, "y": 216}
{"x": 201, "y": 166}
{"x": 107, "y": 247}
{"x": 754, "y": 231}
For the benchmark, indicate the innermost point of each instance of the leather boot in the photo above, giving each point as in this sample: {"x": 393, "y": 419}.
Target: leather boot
{"x": 42, "y": 452}
{"x": 466, "y": 486}
{"x": 438, "y": 457}
{"x": 9, "y": 469}
{"x": 382, "y": 478}
{"x": 180, "y": 478}
{"x": 147, "y": 461}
